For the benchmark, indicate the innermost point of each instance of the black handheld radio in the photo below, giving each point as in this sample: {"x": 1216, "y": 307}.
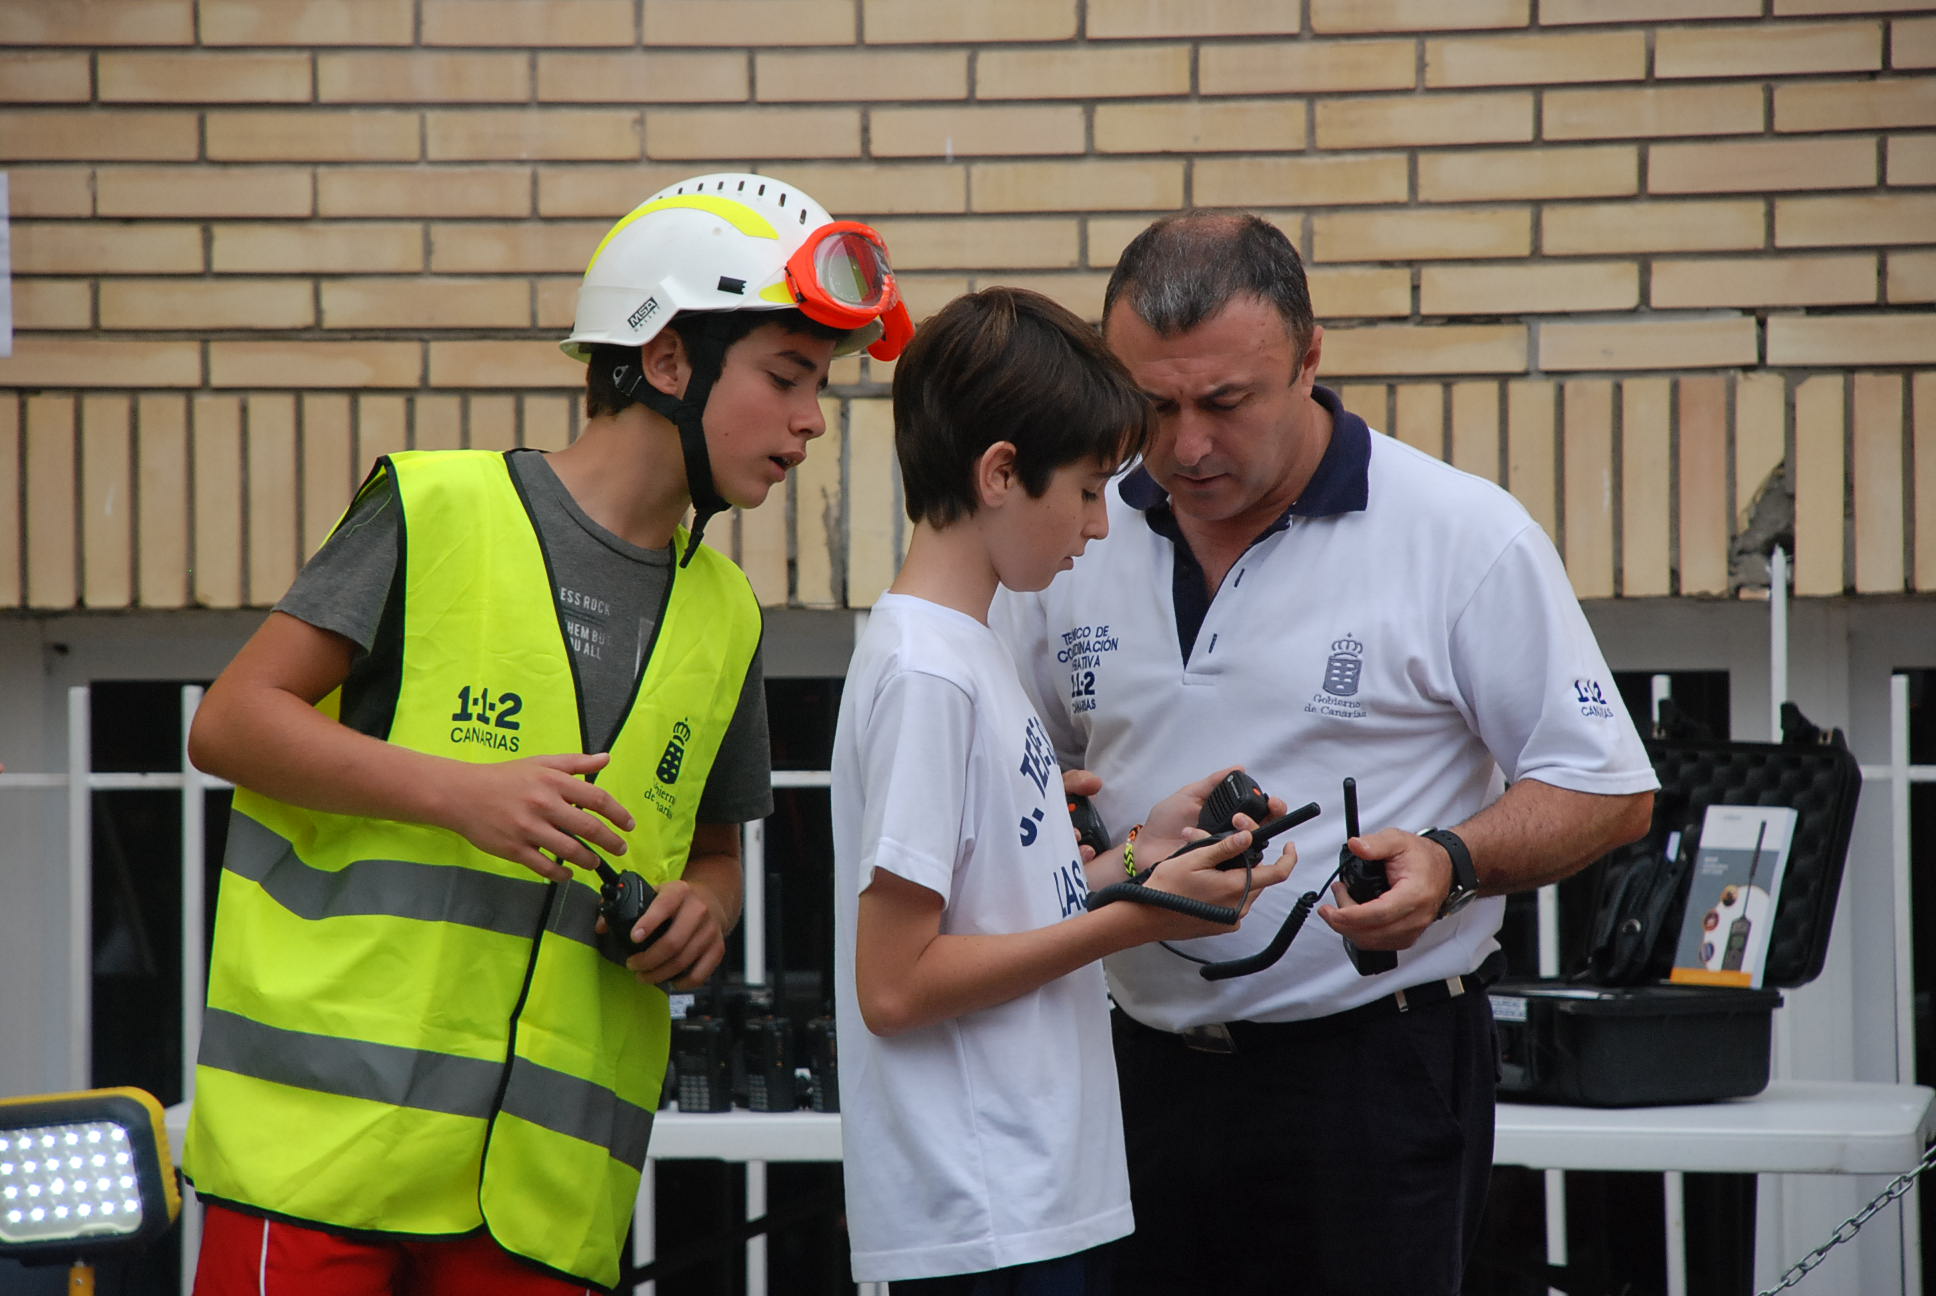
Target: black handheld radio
{"x": 623, "y": 899}
{"x": 1363, "y": 880}
{"x": 1236, "y": 793}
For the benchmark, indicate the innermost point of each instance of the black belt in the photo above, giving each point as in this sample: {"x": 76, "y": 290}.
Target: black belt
{"x": 1240, "y": 1036}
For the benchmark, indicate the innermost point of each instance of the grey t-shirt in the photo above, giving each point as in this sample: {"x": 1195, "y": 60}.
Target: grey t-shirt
{"x": 609, "y": 595}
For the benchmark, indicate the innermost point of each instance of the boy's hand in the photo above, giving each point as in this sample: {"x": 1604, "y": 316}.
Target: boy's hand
{"x": 1179, "y": 810}
{"x": 537, "y": 811}
{"x": 693, "y": 945}
{"x": 1196, "y": 875}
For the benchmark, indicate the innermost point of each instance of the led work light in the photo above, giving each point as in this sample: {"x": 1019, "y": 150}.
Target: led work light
{"x": 81, "y": 1175}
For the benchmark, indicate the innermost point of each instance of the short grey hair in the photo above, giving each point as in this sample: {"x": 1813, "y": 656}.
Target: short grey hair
{"x": 1185, "y": 268}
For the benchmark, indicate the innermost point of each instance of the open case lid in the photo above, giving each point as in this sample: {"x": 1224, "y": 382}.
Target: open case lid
{"x": 1811, "y": 770}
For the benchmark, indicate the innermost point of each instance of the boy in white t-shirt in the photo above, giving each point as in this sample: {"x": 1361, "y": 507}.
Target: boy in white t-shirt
{"x": 981, "y": 1132}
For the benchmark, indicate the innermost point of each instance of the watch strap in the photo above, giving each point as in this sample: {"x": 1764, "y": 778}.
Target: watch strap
{"x": 1465, "y": 878}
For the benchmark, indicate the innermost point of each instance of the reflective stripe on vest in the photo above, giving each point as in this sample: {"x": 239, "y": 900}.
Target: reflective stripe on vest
{"x": 406, "y": 1034}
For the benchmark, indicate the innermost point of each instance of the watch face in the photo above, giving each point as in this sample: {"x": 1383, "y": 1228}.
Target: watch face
{"x": 1457, "y": 901}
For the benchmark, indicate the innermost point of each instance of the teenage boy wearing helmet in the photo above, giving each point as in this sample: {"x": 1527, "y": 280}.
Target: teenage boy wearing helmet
{"x": 415, "y": 1061}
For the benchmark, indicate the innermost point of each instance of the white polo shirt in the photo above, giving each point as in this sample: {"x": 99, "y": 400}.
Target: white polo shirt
{"x": 1407, "y": 625}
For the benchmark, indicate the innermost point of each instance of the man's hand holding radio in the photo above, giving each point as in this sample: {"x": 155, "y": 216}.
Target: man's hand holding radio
{"x": 1420, "y": 874}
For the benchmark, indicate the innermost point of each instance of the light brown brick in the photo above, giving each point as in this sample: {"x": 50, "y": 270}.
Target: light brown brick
{"x": 1559, "y": 12}
{"x": 1763, "y": 49}
{"x": 1756, "y": 166}
{"x": 1096, "y": 72}
{"x": 868, "y": 191}
{"x": 974, "y": 130}
{"x": 1395, "y": 121}
{"x": 1858, "y": 220}
{"x": 97, "y": 135}
{"x": 370, "y": 247}
{"x": 496, "y": 365}
{"x": 423, "y": 191}
{"x": 50, "y": 191}
{"x": 422, "y": 76}
{"x": 103, "y": 500}
{"x": 987, "y": 243}
{"x": 605, "y": 192}
{"x": 1541, "y": 59}
{"x": 90, "y": 23}
{"x": 45, "y": 78}
{"x": 1334, "y": 17}
{"x": 860, "y": 75}
{"x": 1896, "y": 338}
{"x": 1144, "y": 19}
{"x": 1306, "y": 67}
{"x": 204, "y": 191}
{"x": 1762, "y": 281}
{"x": 1528, "y": 289}
{"x": 1300, "y": 181}
{"x": 161, "y": 477}
{"x": 1597, "y": 229}
{"x": 1652, "y": 111}
{"x": 1912, "y": 43}
{"x": 204, "y": 78}
{"x": 732, "y": 22}
{"x": 1911, "y": 277}
{"x": 1201, "y": 126}
{"x": 45, "y": 453}
{"x": 1911, "y": 160}
{"x": 1647, "y": 344}
{"x": 715, "y": 133}
{"x": 1393, "y": 350}
{"x": 557, "y": 302}
{"x": 528, "y": 134}
{"x": 313, "y": 135}
{"x": 167, "y": 305}
{"x": 1361, "y": 292}
{"x": 643, "y": 77}
{"x": 529, "y": 24}
{"x": 1877, "y": 468}
{"x": 52, "y": 304}
{"x": 59, "y": 360}
{"x": 1080, "y": 290}
{"x": 1440, "y": 234}
{"x": 101, "y": 247}
{"x": 1076, "y": 185}
{"x": 1799, "y": 8}
{"x": 549, "y": 247}
{"x": 419, "y": 304}
{"x": 306, "y": 22}
{"x": 1856, "y": 105}
{"x": 896, "y": 22}
{"x": 415, "y": 305}
{"x": 349, "y": 365}
{"x": 1576, "y": 171}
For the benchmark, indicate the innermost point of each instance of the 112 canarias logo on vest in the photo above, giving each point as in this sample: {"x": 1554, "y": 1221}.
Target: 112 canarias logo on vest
{"x": 486, "y": 717}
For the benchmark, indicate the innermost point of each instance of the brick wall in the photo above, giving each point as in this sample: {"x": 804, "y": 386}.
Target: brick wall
{"x": 1638, "y": 262}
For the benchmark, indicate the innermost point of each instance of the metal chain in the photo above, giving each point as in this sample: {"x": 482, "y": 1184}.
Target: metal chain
{"x": 1848, "y": 1228}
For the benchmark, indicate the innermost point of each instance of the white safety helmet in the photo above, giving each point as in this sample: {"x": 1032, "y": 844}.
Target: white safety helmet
{"x": 738, "y": 242}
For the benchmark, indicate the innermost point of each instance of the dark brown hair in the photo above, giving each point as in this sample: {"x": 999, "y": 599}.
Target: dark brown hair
{"x": 724, "y": 327}
{"x": 1006, "y": 364}
{"x": 1185, "y": 268}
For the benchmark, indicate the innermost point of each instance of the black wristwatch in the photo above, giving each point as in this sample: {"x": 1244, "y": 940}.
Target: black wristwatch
{"x": 1465, "y": 878}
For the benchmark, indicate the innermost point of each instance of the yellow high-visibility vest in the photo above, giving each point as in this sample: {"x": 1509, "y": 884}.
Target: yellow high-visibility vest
{"x": 405, "y": 1034}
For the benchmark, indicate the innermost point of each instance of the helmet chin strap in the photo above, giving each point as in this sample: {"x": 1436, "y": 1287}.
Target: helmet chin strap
{"x": 706, "y": 356}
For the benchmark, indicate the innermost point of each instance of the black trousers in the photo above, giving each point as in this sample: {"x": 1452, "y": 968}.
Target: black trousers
{"x": 1321, "y": 1158}
{"x": 1087, "y": 1273}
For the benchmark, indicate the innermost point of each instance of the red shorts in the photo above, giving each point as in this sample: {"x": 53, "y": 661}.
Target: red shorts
{"x": 246, "y": 1255}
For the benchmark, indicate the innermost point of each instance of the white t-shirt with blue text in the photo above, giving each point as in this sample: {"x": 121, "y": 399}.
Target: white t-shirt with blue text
{"x": 994, "y": 1138}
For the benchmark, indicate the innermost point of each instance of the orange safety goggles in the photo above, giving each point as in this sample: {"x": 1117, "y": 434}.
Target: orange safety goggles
{"x": 840, "y": 277}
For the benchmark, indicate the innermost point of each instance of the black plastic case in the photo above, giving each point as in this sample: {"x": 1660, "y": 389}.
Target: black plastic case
{"x": 1612, "y": 1035}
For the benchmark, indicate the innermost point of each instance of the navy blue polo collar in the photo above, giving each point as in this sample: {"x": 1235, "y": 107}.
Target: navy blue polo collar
{"x": 1340, "y": 484}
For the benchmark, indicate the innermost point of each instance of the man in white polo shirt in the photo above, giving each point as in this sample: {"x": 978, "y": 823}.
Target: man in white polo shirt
{"x": 1286, "y": 588}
